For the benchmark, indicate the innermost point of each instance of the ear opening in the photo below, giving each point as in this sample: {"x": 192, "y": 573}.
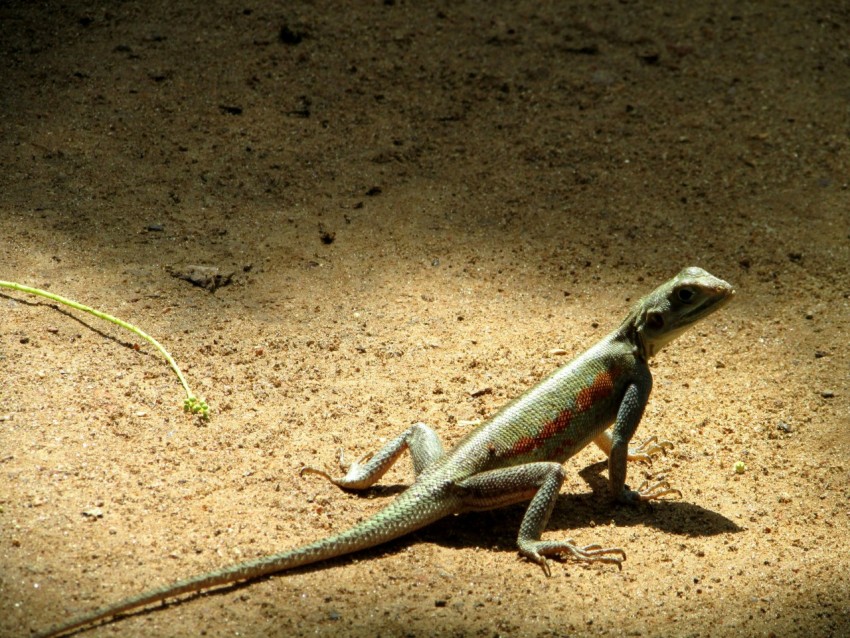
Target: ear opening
{"x": 655, "y": 321}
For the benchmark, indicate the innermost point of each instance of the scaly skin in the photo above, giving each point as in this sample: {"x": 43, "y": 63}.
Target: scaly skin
{"x": 514, "y": 456}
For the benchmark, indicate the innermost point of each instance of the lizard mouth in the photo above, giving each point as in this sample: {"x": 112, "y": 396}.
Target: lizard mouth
{"x": 719, "y": 297}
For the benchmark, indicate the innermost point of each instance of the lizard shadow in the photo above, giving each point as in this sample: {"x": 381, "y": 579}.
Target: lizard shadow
{"x": 574, "y": 512}
{"x": 378, "y": 491}
{"x": 671, "y": 516}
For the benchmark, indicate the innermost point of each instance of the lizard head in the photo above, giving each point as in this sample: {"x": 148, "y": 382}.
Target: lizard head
{"x": 670, "y": 309}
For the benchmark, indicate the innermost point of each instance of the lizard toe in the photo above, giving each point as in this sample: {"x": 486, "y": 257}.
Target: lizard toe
{"x": 649, "y": 449}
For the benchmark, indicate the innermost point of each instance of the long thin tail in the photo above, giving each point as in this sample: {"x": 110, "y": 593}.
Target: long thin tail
{"x": 406, "y": 514}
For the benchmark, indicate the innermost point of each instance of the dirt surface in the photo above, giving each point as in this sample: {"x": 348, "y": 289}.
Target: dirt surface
{"x": 408, "y": 204}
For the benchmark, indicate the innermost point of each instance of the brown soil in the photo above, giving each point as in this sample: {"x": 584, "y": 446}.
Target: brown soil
{"x": 418, "y": 201}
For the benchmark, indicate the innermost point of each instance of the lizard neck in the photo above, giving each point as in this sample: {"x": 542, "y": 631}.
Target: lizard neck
{"x": 630, "y": 334}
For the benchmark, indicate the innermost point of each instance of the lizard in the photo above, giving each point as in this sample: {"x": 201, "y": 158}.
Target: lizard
{"x": 515, "y": 456}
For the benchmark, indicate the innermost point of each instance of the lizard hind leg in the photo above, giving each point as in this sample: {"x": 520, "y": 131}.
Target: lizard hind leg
{"x": 541, "y": 482}
{"x": 419, "y": 439}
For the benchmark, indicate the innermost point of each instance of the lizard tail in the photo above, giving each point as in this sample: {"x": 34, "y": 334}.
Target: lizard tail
{"x": 409, "y": 512}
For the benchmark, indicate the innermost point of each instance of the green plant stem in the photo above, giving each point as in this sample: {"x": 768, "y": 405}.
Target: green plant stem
{"x": 192, "y": 403}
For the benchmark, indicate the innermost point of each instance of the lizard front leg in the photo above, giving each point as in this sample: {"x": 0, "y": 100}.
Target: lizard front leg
{"x": 421, "y": 440}
{"x": 628, "y": 417}
{"x": 540, "y": 482}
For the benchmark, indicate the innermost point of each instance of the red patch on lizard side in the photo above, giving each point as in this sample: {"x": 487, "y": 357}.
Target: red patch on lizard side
{"x": 529, "y": 443}
{"x": 601, "y": 388}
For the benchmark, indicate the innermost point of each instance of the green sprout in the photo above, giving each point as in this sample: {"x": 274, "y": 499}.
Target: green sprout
{"x": 192, "y": 404}
{"x": 196, "y": 406}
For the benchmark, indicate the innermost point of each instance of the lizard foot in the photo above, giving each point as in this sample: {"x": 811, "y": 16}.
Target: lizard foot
{"x": 324, "y": 473}
{"x": 354, "y": 474}
{"x": 537, "y": 551}
{"x": 314, "y": 470}
{"x": 657, "y": 490}
{"x": 649, "y": 449}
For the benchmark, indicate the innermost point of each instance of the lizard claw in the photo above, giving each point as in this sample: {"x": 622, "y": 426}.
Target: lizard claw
{"x": 649, "y": 449}
{"x": 659, "y": 490}
{"x": 314, "y": 470}
{"x": 536, "y": 551}
{"x": 543, "y": 562}
{"x": 324, "y": 473}
{"x": 354, "y": 476}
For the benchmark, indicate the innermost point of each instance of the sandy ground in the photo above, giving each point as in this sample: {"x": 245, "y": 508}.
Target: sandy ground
{"x": 419, "y": 201}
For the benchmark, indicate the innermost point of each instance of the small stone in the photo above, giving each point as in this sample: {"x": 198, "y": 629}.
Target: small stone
{"x": 827, "y": 394}
{"x": 93, "y": 513}
{"x": 209, "y": 277}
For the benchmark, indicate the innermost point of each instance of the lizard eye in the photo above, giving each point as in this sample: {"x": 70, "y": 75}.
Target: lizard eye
{"x": 655, "y": 321}
{"x": 686, "y": 295}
